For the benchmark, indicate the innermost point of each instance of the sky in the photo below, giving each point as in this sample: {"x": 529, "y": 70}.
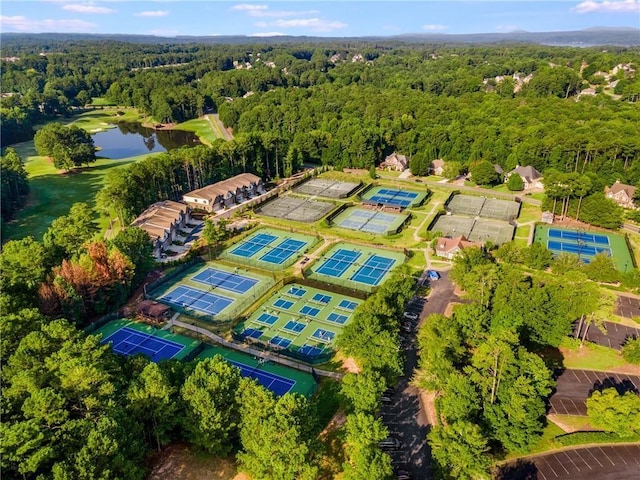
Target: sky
{"x": 315, "y": 18}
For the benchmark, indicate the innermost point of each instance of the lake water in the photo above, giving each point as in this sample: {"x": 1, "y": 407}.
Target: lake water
{"x": 130, "y": 139}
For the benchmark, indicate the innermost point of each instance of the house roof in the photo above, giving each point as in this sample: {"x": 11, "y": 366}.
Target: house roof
{"x": 396, "y": 158}
{"x": 618, "y": 187}
{"x": 159, "y": 217}
{"x": 447, "y": 245}
{"x": 498, "y": 169}
{"x": 437, "y": 163}
{"x": 528, "y": 173}
{"x": 211, "y": 192}
{"x": 152, "y": 309}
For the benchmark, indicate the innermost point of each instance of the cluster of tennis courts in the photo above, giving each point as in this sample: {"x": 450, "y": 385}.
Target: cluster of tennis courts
{"x": 300, "y": 319}
{"x": 585, "y": 245}
{"x": 213, "y": 291}
{"x": 277, "y": 378}
{"x": 129, "y": 338}
{"x": 371, "y": 221}
{"x": 355, "y": 266}
{"x": 477, "y": 230}
{"x": 296, "y": 209}
{"x": 327, "y": 188}
{"x": 474, "y": 206}
{"x": 270, "y": 248}
{"x": 383, "y": 196}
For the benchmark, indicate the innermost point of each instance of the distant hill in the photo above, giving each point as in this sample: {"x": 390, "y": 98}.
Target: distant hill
{"x": 580, "y": 38}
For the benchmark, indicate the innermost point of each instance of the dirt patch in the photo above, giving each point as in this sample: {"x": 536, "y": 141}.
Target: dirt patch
{"x": 179, "y": 461}
{"x": 428, "y": 406}
{"x": 350, "y": 365}
{"x": 558, "y": 420}
{"x": 448, "y": 311}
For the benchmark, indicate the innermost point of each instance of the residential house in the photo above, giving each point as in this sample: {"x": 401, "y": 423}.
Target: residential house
{"x": 162, "y": 221}
{"x": 450, "y": 247}
{"x": 437, "y": 167}
{"x": 548, "y": 217}
{"x": 531, "y": 177}
{"x": 226, "y": 193}
{"x": 621, "y": 193}
{"x": 498, "y": 169}
{"x": 396, "y": 162}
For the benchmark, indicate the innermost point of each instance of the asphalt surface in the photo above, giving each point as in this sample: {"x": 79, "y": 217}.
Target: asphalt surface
{"x": 628, "y": 307}
{"x": 575, "y": 386}
{"x": 619, "y": 462}
{"x": 403, "y": 416}
{"x": 614, "y": 335}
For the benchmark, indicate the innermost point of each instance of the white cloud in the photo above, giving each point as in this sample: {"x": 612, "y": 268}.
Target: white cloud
{"x": 86, "y": 8}
{"x": 606, "y": 6}
{"x": 314, "y": 24}
{"x": 23, "y": 24}
{"x": 152, "y": 13}
{"x": 267, "y": 34}
{"x": 434, "y": 27}
{"x": 263, "y": 11}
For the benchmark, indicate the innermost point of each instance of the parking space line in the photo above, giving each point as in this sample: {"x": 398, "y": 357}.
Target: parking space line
{"x": 607, "y": 456}
{"x": 613, "y": 451}
{"x": 573, "y": 372}
{"x": 594, "y": 457}
{"x": 555, "y": 457}
{"x": 550, "y": 467}
{"x": 585, "y": 462}
{"x": 634, "y": 456}
{"x": 571, "y": 460}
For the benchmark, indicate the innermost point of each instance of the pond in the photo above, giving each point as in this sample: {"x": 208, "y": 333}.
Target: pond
{"x": 130, "y": 139}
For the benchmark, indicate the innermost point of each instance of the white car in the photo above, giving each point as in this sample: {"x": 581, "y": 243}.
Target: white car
{"x": 410, "y": 316}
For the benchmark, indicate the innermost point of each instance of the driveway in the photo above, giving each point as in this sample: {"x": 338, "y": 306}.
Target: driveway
{"x": 403, "y": 416}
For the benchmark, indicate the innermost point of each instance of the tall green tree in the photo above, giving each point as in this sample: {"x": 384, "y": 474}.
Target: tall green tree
{"x": 615, "y": 412}
{"x": 459, "y": 451}
{"x": 68, "y": 146}
{"x": 364, "y": 459}
{"x": 68, "y": 233}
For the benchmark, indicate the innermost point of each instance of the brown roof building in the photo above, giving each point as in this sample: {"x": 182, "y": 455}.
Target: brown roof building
{"x": 396, "y": 162}
{"x": 162, "y": 221}
{"x": 621, "y": 193}
{"x": 449, "y": 247}
{"x": 437, "y": 167}
{"x": 226, "y": 193}
{"x": 531, "y": 177}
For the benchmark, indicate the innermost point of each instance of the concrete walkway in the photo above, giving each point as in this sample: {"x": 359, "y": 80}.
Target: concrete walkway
{"x": 271, "y": 356}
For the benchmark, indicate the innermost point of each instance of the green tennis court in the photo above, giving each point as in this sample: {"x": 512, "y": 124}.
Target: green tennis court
{"x": 277, "y": 378}
{"x": 182, "y": 347}
{"x": 295, "y": 209}
{"x": 212, "y": 291}
{"x": 586, "y": 244}
{"x": 299, "y": 320}
{"x": 371, "y": 221}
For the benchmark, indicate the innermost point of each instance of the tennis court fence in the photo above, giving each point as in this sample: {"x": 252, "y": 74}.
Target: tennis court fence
{"x": 179, "y": 270}
{"x": 329, "y": 218}
{"x": 323, "y": 357}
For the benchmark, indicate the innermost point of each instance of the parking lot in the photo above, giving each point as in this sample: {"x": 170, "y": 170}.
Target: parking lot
{"x": 620, "y": 462}
{"x": 402, "y": 413}
{"x": 615, "y": 336}
{"x": 575, "y": 386}
{"x": 628, "y": 307}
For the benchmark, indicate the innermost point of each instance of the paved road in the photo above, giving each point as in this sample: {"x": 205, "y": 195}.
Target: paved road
{"x": 403, "y": 417}
{"x": 619, "y": 462}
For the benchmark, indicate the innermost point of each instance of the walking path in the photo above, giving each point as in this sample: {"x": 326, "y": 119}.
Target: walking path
{"x": 271, "y": 356}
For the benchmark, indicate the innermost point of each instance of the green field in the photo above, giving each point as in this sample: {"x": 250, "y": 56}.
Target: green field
{"x": 310, "y": 309}
{"x": 305, "y": 384}
{"x": 206, "y": 128}
{"x": 189, "y": 343}
{"x": 617, "y": 243}
{"x": 241, "y": 301}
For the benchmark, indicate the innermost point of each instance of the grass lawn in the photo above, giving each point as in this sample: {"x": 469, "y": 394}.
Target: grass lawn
{"x": 546, "y": 441}
{"x": 101, "y": 102}
{"x": 208, "y": 128}
{"x": 572, "y": 423}
{"x": 52, "y": 192}
{"x": 590, "y": 356}
{"x": 529, "y": 213}
{"x": 98, "y": 120}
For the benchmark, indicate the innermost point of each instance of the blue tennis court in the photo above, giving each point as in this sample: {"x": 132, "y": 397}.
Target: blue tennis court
{"x": 579, "y": 236}
{"x": 296, "y": 292}
{"x": 252, "y": 333}
{"x": 396, "y": 198}
{"x": 323, "y": 335}
{"x": 283, "y": 304}
{"x": 128, "y": 341}
{"x": 267, "y": 319}
{"x": 277, "y": 384}
{"x": 320, "y": 298}
{"x": 310, "y": 351}
{"x": 347, "y": 305}
{"x": 578, "y": 249}
{"x": 231, "y": 282}
{"x": 206, "y": 302}
{"x": 253, "y": 245}
{"x": 281, "y": 252}
{"x": 294, "y": 327}
{"x": 337, "y": 318}
{"x": 338, "y": 263}
{"x": 309, "y": 311}
{"x": 279, "y": 341}
{"x": 373, "y": 270}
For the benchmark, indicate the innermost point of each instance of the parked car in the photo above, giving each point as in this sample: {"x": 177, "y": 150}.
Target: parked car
{"x": 410, "y": 316}
{"x": 390, "y": 442}
{"x": 403, "y": 475}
